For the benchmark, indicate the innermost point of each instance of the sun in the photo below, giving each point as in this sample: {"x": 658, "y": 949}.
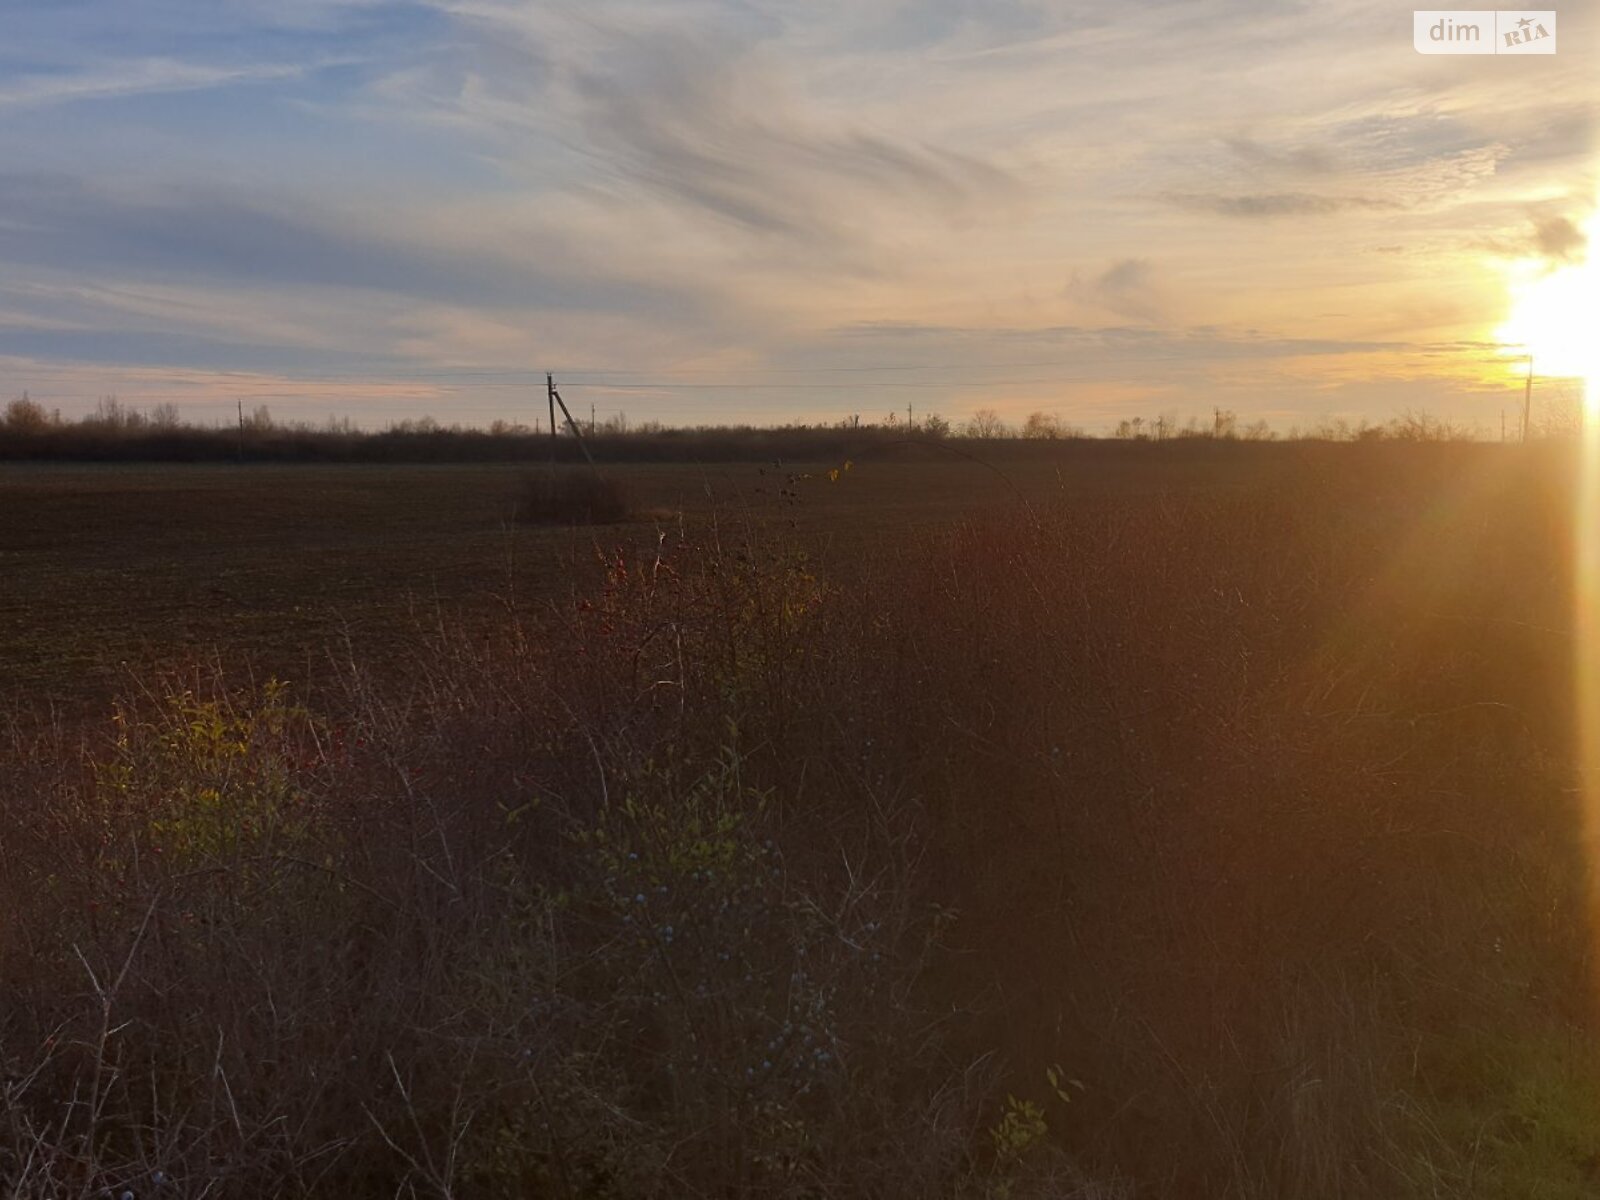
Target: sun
{"x": 1555, "y": 317}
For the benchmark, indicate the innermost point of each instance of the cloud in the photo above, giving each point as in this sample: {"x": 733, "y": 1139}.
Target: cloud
{"x": 708, "y": 132}
{"x": 698, "y": 112}
{"x": 1552, "y": 236}
{"x": 1275, "y": 204}
{"x": 1300, "y": 160}
{"x": 250, "y": 241}
{"x": 148, "y": 348}
{"x": 1127, "y": 288}
{"x": 1131, "y": 343}
{"x": 141, "y": 77}
{"x": 1559, "y": 238}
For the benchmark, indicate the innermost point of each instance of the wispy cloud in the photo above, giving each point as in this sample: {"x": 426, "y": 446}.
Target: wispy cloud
{"x": 719, "y": 134}
{"x": 133, "y": 78}
{"x": 213, "y": 234}
{"x": 1276, "y": 204}
{"x": 1128, "y": 288}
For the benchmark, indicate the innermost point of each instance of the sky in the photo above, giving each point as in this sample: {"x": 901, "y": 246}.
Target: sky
{"x": 777, "y": 210}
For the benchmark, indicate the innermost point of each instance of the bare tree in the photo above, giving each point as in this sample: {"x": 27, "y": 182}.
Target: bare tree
{"x": 986, "y": 423}
{"x": 1042, "y": 425}
{"x": 1422, "y": 426}
{"x": 111, "y": 413}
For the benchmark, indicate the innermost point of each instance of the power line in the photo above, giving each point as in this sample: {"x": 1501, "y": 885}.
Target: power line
{"x": 813, "y": 387}
{"x": 651, "y": 386}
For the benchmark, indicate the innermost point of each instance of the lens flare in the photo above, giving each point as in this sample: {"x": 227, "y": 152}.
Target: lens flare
{"x": 1580, "y": 319}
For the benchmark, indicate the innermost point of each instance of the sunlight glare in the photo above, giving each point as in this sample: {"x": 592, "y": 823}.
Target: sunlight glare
{"x": 1554, "y": 316}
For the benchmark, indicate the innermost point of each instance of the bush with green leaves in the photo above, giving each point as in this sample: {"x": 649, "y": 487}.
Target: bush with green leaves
{"x": 558, "y": 919}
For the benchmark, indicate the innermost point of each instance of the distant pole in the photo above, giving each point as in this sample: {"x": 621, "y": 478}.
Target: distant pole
{"x": 909, "y": 424}
{"x": 591, "y": 418}
{"x": 240, "y": 403}
{"x": 1527, "y": 400}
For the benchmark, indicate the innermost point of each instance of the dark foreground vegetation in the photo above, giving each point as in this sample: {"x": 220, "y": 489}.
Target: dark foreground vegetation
{"x": 1222, "y": 844}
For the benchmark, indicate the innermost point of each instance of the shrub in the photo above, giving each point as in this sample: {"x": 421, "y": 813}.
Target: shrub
{"x": 574, "y": 496}
{"x": 25, "y": 416}
{"x": 556, "y": 918}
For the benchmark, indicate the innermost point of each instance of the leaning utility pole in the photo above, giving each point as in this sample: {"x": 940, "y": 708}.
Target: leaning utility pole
{"x": 555, "y": 399}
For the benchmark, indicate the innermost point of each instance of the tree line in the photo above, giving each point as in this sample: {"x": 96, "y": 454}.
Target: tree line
{"x": 117, "y": 431}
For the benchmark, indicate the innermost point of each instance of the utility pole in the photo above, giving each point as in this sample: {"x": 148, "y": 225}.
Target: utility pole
{"x": 240, "y": 403}
{"x": 909, "y": 424}
{"x": 591, "y": 418}
{"x": 550, "y": 395}
{"x": 1527, "y": 400}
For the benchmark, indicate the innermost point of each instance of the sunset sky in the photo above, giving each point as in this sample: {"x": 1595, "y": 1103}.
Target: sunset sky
{"x": 705, "y": 210}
